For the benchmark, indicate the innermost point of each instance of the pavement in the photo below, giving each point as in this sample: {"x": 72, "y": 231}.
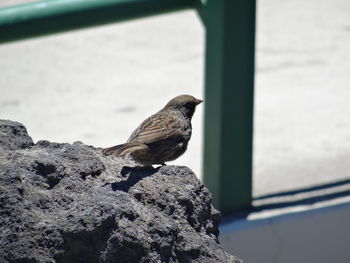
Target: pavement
{"x": 96, "y": 85}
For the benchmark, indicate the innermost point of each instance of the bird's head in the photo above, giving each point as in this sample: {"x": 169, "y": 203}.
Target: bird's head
{"x": 186, "y": 104}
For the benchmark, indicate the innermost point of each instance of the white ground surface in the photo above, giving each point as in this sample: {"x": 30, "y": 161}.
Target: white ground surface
{"x": 96, "y": 85}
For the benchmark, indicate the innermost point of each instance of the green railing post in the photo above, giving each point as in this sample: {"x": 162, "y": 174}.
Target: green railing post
{"x": 229, "y": 92}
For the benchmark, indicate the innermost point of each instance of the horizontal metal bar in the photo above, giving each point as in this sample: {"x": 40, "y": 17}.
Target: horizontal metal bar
{"x": 53, "y": 16}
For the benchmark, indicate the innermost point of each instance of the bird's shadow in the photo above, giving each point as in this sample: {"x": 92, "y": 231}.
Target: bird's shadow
{"x": 134, "y": 175}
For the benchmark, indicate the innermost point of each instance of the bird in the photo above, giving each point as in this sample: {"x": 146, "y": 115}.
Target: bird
{"x": 163, "y": 136}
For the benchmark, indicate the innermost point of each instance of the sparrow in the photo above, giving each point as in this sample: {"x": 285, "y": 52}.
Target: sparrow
{"x": 161, "y": 137}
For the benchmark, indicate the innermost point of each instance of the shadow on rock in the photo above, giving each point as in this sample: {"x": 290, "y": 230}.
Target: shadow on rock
{"x": 134, "y": 175}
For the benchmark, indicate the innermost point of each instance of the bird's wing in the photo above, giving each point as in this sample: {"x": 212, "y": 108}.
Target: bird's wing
{"x": 156, "y": 128}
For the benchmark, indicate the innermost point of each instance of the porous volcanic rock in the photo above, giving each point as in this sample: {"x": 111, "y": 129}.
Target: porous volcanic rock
{"x": 64, "y": 202}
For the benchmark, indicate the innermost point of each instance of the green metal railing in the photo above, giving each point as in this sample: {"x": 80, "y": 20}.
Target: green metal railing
{"x": 229, "y": 73}
{"x": 229, "y": 92}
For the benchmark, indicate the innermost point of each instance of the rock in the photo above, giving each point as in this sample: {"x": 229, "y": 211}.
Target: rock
{"x": 67, "y": 203}
{"x": 13, "y": 136}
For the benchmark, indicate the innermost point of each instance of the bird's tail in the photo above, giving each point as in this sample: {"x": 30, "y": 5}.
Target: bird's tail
{"x": 125, "y": 148}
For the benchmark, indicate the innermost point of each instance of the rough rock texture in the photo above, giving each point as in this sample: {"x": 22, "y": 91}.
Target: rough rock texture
{"x": 67, "y": 203}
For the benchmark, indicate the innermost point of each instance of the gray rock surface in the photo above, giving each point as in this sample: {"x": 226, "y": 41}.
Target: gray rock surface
{"x": 67, "y": 203}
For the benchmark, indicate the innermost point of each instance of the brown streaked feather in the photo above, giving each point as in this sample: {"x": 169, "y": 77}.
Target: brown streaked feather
{"x": 124, "y": 149}
{"x": 155, "y": 129}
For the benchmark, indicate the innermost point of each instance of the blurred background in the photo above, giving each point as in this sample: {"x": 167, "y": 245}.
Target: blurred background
{"x": 96, "y": 85}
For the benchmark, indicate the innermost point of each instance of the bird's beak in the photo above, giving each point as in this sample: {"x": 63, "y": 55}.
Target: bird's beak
{"x": 198, "y": 101}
